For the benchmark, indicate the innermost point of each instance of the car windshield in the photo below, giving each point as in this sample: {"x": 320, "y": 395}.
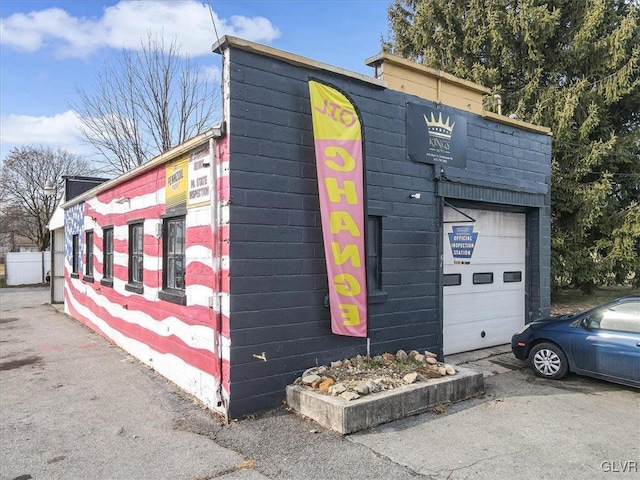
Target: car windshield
{"x": 623, "y": 317}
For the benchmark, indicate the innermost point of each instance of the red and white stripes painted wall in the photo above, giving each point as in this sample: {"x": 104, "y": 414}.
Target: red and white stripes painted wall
{"x": 188, "y": 344}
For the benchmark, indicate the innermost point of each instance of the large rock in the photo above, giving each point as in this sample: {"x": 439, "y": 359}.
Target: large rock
{"x": 450, "y": 370}
{"x": 432, "y": 360}
{"x": 418, "y": 357}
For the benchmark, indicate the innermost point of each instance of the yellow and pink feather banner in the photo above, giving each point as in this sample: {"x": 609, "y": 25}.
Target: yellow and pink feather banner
{"x": 339, "y": 161}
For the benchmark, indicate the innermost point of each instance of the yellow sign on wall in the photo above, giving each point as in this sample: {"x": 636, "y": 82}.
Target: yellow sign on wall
{"x": 176, "y": 184}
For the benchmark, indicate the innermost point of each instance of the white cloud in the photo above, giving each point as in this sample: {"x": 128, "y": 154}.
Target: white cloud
{"x": 210, "y": 74}
{"x": 60, "y": 130}
{"x": 124, "y": 25}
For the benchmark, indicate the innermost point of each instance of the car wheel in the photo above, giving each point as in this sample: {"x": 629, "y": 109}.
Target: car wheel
{"x": 548, "y": 361}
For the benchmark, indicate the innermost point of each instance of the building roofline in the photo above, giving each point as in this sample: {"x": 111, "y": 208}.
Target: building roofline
{"x": 229, "y": 41}
{"x": 431, "y": 72}
{"x": 193, "y": 142}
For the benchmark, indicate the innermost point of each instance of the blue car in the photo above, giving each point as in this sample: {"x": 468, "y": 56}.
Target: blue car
{"x": 603, "y": 342}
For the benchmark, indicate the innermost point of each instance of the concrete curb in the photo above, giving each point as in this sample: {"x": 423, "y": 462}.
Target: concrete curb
{"x": 351, "y": 416}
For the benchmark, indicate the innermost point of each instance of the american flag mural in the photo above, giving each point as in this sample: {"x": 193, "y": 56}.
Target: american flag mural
{"x": 188, "y": 344}
{"x": 74, "y": 225}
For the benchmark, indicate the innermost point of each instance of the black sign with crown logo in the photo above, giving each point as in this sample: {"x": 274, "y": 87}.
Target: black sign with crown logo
{"x": 436, "y": 137}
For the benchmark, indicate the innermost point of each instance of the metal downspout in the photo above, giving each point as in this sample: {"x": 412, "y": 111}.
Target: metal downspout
{"x": 217, "y": 260}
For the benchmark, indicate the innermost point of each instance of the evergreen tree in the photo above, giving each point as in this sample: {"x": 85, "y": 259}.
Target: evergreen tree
{"x": 573, "y": 66}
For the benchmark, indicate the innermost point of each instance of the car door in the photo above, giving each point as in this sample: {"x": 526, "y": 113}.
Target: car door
{"x": 607, "y": 343}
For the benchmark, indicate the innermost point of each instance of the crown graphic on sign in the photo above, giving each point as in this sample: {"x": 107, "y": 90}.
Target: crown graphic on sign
{"x": 438, "y": 128}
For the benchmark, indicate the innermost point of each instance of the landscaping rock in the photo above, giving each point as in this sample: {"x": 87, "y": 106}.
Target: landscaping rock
{"x": 373, "y": 386}
{"x": 450, "y": 370}
{"x": 401, "y": 356}
{"x": 310, "y": 371}
{"x": 442, "y": 371}
{"x": 349, "y": 396}
{"x": 337, "y": 389}
{"x": 410, "y": 378}
{"x": 430, "y": 354}
{"x": 418, "y": 357}
{"x": 388, "y": 357}
{"x": 431, "y": 360}
{"x": 309, "y": 379}
{"x": 362, "y": 389}
{"x": 324, "y": 386}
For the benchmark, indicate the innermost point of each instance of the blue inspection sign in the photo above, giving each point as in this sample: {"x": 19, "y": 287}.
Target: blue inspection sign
{"x": 462, "y": 241}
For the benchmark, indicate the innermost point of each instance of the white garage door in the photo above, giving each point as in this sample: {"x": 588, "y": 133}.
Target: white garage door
{"x": 484, "y": 278}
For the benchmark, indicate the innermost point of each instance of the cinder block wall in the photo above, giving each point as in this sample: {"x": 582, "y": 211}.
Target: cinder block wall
{"x": 277, "y": 271}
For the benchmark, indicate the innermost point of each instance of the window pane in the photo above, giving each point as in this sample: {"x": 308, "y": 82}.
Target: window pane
{"x": 75, "y": 253}
{"x": 136, "y": 271}
{"x": 179, "y": 272}
{"x": 373, "y": 227}
{"x": 136, "y": 254}
{"x": 173, "y": 259}
{"x": 374, "y": 255}
{"x": 509, "y": 277}
{"x": 452, "y": 279}
{"x": 89, "y": 255}
{"x": 171, "y": 275}
{"x": 108, "y": 252}
{"x": 138, "y": 239}
{"x": 481, "y": 278}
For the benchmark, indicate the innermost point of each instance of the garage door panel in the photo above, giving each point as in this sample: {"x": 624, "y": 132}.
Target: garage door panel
{"x": 495, "y": 308}
{"x": 491, "y": 250}
{"x": 467, "y": 285}
{"x": 469, "y": 336}
{"x": 467, "y": 310}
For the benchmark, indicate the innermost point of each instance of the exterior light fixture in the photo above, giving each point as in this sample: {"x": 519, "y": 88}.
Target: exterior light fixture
{"x": 49, "y": 188}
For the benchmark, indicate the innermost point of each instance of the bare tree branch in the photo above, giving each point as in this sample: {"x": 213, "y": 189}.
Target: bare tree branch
{"x": 24, "y": 208}
{"x": 146, "y": 103}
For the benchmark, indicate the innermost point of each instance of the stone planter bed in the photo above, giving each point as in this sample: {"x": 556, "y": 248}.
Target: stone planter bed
{"x": 363, "y": 392}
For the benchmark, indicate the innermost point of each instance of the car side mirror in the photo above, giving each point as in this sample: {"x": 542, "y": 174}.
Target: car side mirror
{"x": 592, "y": 322}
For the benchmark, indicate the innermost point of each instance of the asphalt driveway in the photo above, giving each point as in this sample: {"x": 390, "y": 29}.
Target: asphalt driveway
{"x": 74, "y": 406}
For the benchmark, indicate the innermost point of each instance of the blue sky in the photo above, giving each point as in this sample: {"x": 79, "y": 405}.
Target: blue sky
{"x": 49, "y": 49}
